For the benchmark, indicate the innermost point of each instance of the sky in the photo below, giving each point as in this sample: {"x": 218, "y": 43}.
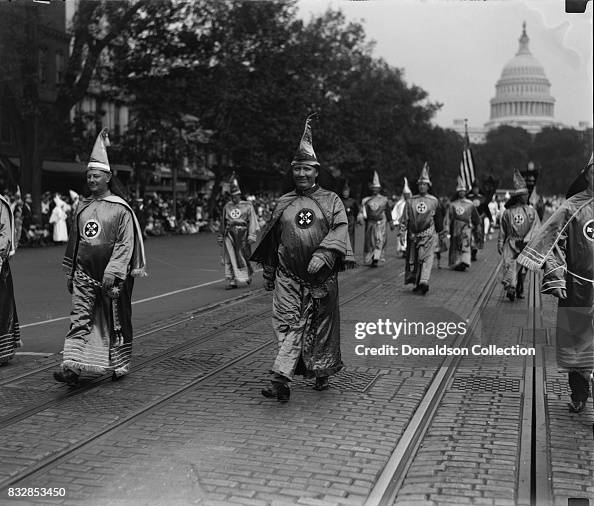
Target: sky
{"x": 456, "y": 50}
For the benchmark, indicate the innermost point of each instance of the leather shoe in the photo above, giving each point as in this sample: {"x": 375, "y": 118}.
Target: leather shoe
{"x": 69, "y": 377}
{"x": 322, "y": 384}
{"x": 423, "y": 288}
{"x": 282, "y": 393}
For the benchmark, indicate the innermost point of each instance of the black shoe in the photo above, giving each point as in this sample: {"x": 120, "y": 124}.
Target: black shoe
{"x": 230, "y": 287}
{"x": 416, "y": 289}
{"x": 373, "y": 263}
{"x": 281, "y": 392}
{"x": 576, "y": 406}
{"x": 511, "y": 295}
{"x": 423, "y": 288}
{"x": 322, "y": 384}
{"x": 115, "y": 377}
{"x": 69, "y": 377}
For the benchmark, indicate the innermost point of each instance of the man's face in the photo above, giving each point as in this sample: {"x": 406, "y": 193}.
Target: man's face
{"x": 304, "y": 176}
{"x": 97, "y": 181}
{"x": 423, "y": 187}
{"x": 523, "y": 198}
{"x": 346, "y": 194}
{"x": 407, "y": 196}
{"x": 461, "y": 194}
{"x": 236, "y": 198}
{"x": 375, "y": 190}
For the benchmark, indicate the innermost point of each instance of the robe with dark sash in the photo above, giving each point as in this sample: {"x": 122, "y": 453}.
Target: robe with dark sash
{"x": 305, "y": 315}
{"x": 463, "y": 221}
{"x": 478, "y": 236}
{"x": 106, "y": 240}
{"x": 376, "y": 213}
{"x": 518, "y": 225}
{"x": 420, "y": 221}
{"x": 564, "y": 249}
{"x": 239, "y": 229}
{"x": 10, "y": 336}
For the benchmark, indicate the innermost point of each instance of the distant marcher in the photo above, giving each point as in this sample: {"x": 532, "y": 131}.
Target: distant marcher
{"x": 397, "y": 212}
{"x": 421, "y": 221}
{"x": 464, "y": 221}
{"x": 58, "y": 218}
{"x": 302, "y": 248}
{"x": 352, "y": 209}
{"x": 239, "y": 229}
{"x": 519, "y": 223}
{"x": 564, "y": 249}
{"x": 376, "y": 212}
{"x": 478, "y": 238}
{"x": 10, "y": 336}
{"x": 104, "y": 254}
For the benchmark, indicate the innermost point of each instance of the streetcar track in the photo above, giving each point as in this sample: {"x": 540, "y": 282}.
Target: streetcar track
{"x": 56, "y": 457}
{"x": 390, "y": 480}
{"x": 192, "y": 315}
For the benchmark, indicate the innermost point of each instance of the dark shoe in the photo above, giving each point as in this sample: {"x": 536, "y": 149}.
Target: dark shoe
{"x": 416, "y": 289}
{"x": 473, "y": 256}
{"x": 115, "y": 377}
{"x": 576, "y": 406}
{"x": 511, "y": 295}
{"x": 322, "y": 384}
{"x": 278, "y": 390}
{"x": 69, "y": 377}
{"x": 423, "y": 288}
{"x": 230, "y": 287}
{"x": 373, "y": 263}
{"x": 283, "y": 393}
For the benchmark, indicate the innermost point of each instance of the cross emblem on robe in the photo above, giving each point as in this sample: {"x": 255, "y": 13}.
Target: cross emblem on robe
{"x": 421, "y": 207}
{"x": 91, "y": 229}
{"x": 235, "y": 213}
{"x": 518, "y": 219}
{"x": 305, "y": 218}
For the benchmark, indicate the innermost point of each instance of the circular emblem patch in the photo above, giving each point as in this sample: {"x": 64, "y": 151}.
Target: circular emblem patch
{"x": 91, "y": 229}
{"x": 235, "y": 213}
{"x": 589, "y": 230}
{"x": 421, "y": 208}
{"x": 459, "y": 210}
{"x": 373, "y": 206}
{"x": 305, "y": 218}
{"x": 518, "y": 219}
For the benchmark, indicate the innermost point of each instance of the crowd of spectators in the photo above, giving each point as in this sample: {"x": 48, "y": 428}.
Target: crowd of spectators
{"x": 154, "y": 213}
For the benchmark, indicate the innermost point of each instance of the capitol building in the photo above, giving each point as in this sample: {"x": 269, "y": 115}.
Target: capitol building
{"x": 522, "y": 97}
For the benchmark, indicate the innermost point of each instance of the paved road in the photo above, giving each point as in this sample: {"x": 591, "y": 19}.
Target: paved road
{"x": 185, "y": 273}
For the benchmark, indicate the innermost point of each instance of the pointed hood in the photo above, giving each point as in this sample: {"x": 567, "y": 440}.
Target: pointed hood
{"x": 424, "y": 177}
{"x": 305, "y": 154}
{"x": 234, "y": 186}
{"x": 99, "y": 159}
{"x": 460, "y": 185}
{"x": 406, "y": 188}
{"x": 580, "y": 183}
{"x": 520, "y": 187}
{"x": 376, "y": 182}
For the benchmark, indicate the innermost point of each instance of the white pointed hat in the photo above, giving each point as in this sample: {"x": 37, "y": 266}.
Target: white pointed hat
{"x": 376, "y": 182}
{"x": 234, "y": 186}
{"x": 99, "y": 160}
{"x": 406, "y": 188}
{"x": 424, "y": 177}
{"x": 461, "y": 186}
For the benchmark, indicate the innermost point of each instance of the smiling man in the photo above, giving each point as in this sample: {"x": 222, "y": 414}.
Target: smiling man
{"x": 104, "y": 254}
{"x": 302, "y": 248}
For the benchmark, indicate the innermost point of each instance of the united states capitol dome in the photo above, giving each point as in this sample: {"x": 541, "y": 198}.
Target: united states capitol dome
{"x": 522, "y": 94}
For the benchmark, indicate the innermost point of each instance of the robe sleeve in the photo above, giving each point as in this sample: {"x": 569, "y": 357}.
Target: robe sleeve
{"x": 503, "y": 231}
{"x": 438, "y": 219}
{"x": 5, "y": 234}
{"x": 123, "y": 248}
{"x": 253, "y": 227}
{"x": 337, "y": 239}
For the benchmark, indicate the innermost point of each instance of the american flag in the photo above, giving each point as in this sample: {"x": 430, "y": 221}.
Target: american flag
{"x": 467, "y": 163}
